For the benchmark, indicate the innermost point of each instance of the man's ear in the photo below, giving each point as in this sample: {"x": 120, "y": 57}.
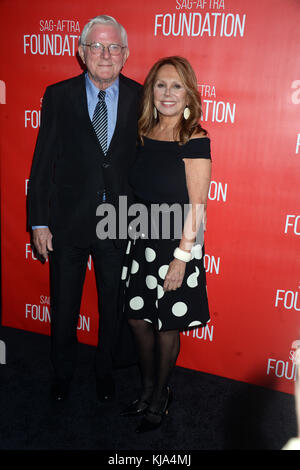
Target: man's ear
{"x": 81, "y": 53}
{"x": 126, "y": 55}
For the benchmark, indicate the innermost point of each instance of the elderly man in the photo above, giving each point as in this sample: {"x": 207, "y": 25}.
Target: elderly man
{"x": 84, "y": 149}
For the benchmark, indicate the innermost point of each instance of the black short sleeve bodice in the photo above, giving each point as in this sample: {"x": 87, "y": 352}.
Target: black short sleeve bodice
{"x": 158, "y": 174}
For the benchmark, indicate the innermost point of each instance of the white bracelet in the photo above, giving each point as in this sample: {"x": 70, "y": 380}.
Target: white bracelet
{"x": 182, "y": 255}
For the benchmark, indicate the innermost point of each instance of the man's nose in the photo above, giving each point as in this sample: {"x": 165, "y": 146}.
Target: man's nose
{"x": 105, "y": 52}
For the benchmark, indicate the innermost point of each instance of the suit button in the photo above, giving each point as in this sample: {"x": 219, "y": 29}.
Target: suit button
{"x": 105, "y": 165}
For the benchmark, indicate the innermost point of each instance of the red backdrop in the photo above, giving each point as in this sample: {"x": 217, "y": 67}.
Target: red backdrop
{"x": 246, "y": 58}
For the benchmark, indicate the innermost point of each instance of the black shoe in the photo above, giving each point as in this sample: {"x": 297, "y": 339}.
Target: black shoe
{"x": 147, "y": 425}
{"x": 136, "y": 408}
{"x": 105, "y": 388}
{"x": 60, "y": 390}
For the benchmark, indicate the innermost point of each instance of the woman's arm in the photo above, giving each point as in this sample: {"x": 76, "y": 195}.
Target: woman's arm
{"x": 198, "y": 174}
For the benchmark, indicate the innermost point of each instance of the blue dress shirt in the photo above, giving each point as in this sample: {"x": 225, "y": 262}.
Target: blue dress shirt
{"x": 111, "y": 100}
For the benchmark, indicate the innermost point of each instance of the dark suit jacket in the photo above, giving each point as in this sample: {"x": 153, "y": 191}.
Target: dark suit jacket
{"x": 69, "y": 170}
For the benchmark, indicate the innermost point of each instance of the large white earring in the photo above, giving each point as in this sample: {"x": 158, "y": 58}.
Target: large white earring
{"x": 155, "y": 112}
{"x": 186, "y": 113}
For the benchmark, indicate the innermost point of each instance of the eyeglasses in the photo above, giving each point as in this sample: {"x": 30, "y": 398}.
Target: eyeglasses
{"x": 113, "y": 49}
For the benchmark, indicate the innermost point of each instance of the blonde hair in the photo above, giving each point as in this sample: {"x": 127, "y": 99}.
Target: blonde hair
{"x": 185, "y": 127}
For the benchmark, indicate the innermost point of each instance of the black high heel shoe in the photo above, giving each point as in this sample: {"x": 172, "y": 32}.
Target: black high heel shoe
{"x": 135, "y": 408}
{"x": 147, "y": 425}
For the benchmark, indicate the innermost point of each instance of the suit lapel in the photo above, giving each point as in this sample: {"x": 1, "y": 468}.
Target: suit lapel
{"x": 122, "y": 116}
{"x": 89, "y": 137}
{"x": 79, "y": 97}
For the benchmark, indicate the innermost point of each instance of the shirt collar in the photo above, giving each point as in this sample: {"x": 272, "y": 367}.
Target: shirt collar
{"x": 111, "y": 91}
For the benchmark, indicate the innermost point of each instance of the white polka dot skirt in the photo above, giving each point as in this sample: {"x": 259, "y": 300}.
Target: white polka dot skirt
{"x": 144, "y": 271}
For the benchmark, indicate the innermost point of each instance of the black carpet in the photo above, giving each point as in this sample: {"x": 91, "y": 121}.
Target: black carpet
{"x": 207, "y": 413}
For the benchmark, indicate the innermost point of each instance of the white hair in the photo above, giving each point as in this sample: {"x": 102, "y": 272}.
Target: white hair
{"x": 107, "y": 20}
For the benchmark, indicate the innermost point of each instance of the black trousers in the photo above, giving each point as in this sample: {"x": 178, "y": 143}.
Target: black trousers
{"x": 68, "y": 266}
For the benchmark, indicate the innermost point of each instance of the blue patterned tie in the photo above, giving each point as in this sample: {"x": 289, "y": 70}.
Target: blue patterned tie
{"x": 100, "y": 121}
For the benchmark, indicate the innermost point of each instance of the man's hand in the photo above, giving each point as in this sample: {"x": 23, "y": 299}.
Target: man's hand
{"x": 42, "y": 239}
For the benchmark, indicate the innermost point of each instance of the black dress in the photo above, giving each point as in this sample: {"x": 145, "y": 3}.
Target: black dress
{"x": 158, "y": 179}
